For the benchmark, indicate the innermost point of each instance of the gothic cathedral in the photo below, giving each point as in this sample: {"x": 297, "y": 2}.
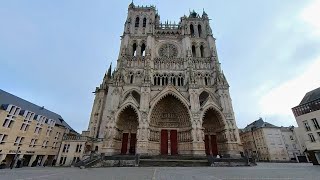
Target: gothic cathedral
{"x": 167, "y": 94}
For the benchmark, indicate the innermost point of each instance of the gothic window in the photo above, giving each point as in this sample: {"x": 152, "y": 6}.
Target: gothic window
{"x": 203, "y": 97}
{"x": 163, "y": 80}
{"x": 180, "y": 80}
{"x": 168, "y": 50}
{"x": 154, "y": 80}
{"x": 158, "y": 81}
{"x": 134, "y": 49}
{"x": 131, "y": 77}
{"x": 206, "y": 81}
{"x": 191, "y": 30}
{"x": 136, "y": 96}
{"x": 201, "y": 51}
{"x": 193, "y": 51}
{"x": 199, "y": 30}
{"x": 137, "y": 22}
{"x": 143, "y": 49}
{"x": 144, "y": 22}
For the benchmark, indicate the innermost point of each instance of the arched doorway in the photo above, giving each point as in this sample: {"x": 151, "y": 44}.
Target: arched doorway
{"x": 127, "y": 125}
{"x": 170, "y": 127}
{"x": 213, "y": 127}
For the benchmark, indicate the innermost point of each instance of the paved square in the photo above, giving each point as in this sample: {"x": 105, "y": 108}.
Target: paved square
{"x": 264, "y": 171}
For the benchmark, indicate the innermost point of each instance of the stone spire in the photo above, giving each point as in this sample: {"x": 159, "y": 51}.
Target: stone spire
{"x": 109, "y": 72}
{"x": 221, "y": 80}
{"x": 204, "y": 14}
{"x": 131, "y": 5}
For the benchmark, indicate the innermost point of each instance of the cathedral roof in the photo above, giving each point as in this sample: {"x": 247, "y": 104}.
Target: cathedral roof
{"x": 311, "y": 96}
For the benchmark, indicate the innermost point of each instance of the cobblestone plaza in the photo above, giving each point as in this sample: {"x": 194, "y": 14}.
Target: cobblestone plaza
{"x": 264, "y": 171}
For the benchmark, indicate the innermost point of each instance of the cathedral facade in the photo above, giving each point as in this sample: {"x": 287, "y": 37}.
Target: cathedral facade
{"x": 167, "y": 94}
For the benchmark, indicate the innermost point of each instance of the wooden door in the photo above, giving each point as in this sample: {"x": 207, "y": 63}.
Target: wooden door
{"x": 206, "y": 143}
{"x": 164, "y": 142}
{"x": 133, "y": 140}
{"x": 174, "y": 142}
{"x": 124, "y": 146}
{"x": 214, "y": 145}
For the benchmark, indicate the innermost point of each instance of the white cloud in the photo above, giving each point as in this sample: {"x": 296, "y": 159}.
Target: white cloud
{"x": 311, "y": 16}
{"x": 279, "y": 100}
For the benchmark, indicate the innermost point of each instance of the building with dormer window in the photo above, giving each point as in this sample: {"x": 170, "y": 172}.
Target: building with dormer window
{"x": 28, "y": 132}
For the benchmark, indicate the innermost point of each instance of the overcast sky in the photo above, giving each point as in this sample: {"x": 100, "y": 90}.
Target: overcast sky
{"x": 54, "y": 53}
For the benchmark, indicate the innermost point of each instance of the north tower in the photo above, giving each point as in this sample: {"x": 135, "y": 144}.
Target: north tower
{"x": 167, "y": 94}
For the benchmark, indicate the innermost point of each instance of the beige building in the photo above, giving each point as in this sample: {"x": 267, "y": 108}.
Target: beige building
{"x": 29, "y": 132}
{"x": 269, "y": 142}
{"x": 73, "y": 149}
{"x": 307, "y": 115}
{"x": 292, "y": 143}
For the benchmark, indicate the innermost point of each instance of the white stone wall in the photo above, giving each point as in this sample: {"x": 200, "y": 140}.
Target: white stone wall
{"x": 307, "y": 117}
{"x": 275, "y": 144}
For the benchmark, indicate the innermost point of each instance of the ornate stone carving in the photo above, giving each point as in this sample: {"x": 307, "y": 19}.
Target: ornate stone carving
{"x": 168, "y": 50}
{"x": 178, "y": 75}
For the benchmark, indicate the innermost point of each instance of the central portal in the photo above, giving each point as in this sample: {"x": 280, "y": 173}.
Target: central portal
{"x": 171, "y": 121}
{"x": 166, "y": 142}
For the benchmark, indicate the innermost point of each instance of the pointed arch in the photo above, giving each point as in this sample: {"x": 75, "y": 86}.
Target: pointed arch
{"x": 191, "y": 30}
{"x": 143, "y": 49}
{"x": 170, "y": 112}
{"x": 134, "y": 49}
{"x": 169, "y": 90}
{"x": 136, "y": 24}
{"x": 193, "y": 48}
{"x": 144, "y": 22}
{"x": 203, "y": 97}
{"x": 201, "y": 51}
{"x": 124, "y": 107}
{"x": 127, "y": 123}
{"x": 135, "y": 94}
{"x": 217, "y": 110}
{"x": 214, "y": 126}
{"x": 199, "y": 30}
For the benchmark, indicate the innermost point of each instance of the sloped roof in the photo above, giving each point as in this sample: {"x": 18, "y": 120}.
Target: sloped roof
{"x": 311, "y": 96}
{"x": 258, "y": 124}
{"x": 7, "y": 98}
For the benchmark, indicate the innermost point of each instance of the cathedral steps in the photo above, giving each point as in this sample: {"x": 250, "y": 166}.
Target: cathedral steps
{"x": 164, "y": 161}
{"x": 173, "y": 161}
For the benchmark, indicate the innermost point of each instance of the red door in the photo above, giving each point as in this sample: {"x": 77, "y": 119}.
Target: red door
{"x": 174, "y": 142}
{"x": 206, "y": 143}
{"x": 132, "y": 149}
{"x": 164, "y": 142}
{"x": 214, "y": 146}
{"x": 124, "y": 143}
